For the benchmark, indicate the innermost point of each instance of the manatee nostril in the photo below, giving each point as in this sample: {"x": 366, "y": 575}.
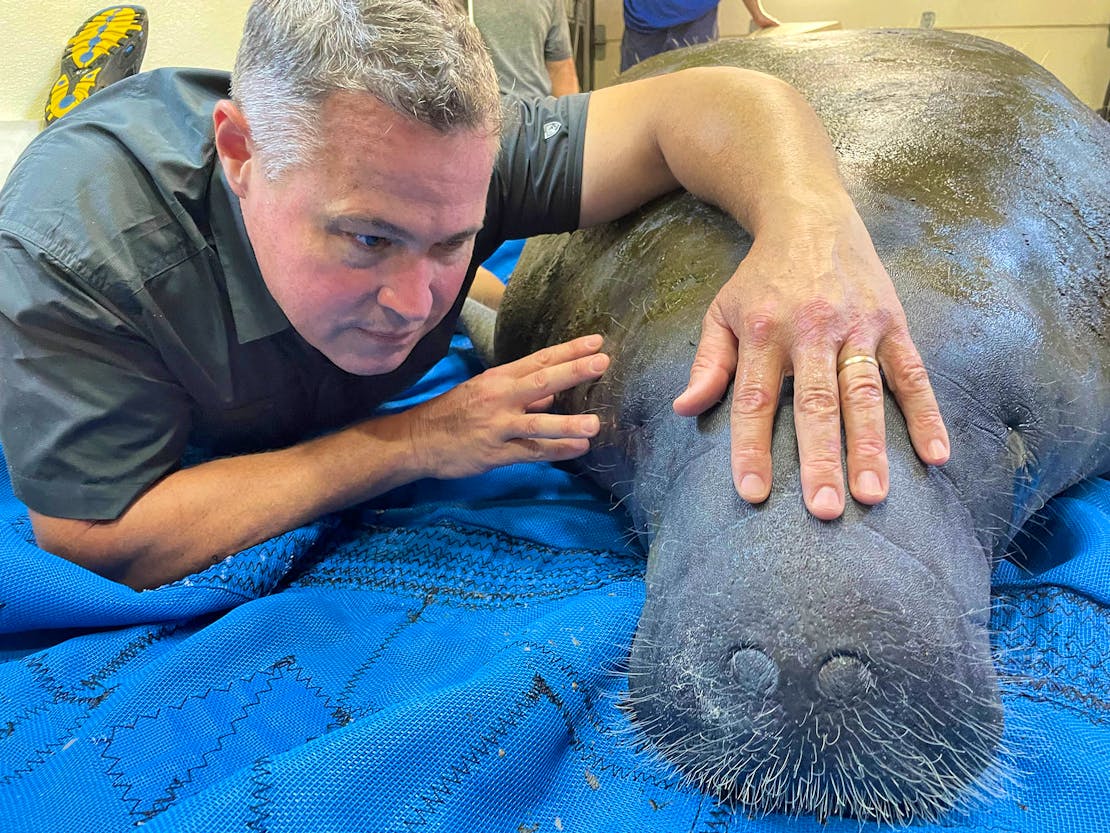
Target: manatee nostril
{"x": 845, "y": 677}
{"x": 754, "y": 673}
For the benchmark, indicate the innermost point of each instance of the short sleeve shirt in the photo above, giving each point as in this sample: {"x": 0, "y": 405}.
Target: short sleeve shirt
{"x": 134, "y": 322}
{"x": 523, "y": 36}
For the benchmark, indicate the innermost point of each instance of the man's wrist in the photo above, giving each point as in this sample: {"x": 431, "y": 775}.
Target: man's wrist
{"x": 799, "y": 211}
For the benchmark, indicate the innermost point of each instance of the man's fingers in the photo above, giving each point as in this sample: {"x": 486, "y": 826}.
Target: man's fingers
{"x": 540, "y": 405}
{"x": 713, "y": 369}
{"x": 861, "y": 408}
{"x": 542, "y": 374}
{"x": 755, "y": 400}
{"x": 556, "y": 426}
{"x": 556, "y": 354}
{"x": 549, "y": 451}
{"x": 908, "y": 380}
{"x": 541, "y": 384}
{"x": 817, "y": 423}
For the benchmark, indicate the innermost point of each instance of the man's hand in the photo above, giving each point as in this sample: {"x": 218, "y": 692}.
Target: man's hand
{"x": 500, "y": 417}
{"x": 759, "y": 17}
{"x": 806, "y": 299}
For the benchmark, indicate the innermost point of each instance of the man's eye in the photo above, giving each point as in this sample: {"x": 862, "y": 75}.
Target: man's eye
{"x": 370, "y": 241}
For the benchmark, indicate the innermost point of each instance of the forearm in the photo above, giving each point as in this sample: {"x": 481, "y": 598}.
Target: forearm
{"x": 753, "y": 146}
{"x": 487, "y": 288}
{"x": 564, "y": 77}
{"x": 741, "y": 140}
{"x": 197, "y": 516}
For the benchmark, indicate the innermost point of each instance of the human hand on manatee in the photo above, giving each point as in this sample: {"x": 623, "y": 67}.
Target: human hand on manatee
{"x": 809, "y": 300}
{"x": 499, "y": 417}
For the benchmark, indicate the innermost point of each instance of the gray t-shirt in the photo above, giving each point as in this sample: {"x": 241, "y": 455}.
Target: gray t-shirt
{"x": 134, "y": 322}
{"x": 522, "y": 36}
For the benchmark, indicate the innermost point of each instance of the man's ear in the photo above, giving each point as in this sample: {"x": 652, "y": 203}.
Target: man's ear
{"x": 234, "y": 145}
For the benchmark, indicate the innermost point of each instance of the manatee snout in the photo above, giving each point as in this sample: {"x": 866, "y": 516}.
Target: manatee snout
{"x": 852, "y": 682}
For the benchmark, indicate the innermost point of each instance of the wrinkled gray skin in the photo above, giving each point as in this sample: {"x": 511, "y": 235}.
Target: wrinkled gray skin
{"x": 794, "y": 665}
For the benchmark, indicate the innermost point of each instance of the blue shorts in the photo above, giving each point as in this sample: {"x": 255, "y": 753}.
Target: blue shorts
{"x": 638, "y": 46}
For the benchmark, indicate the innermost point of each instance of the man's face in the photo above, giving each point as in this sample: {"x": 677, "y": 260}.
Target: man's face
{"x": 365, "y": 248}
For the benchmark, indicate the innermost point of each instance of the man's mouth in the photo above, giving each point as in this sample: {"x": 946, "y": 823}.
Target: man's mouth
{"x": 390, "y": 336}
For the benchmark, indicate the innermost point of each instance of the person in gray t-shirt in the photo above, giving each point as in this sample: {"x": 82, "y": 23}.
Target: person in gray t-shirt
{"x": 253, "y": 274}
{"x": 529, "y": 42}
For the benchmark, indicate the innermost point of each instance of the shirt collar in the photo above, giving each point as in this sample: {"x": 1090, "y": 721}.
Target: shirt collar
{"x": 255, "y": 312}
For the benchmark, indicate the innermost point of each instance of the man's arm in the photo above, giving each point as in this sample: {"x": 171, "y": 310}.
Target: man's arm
{"x": 811, "y": 292}
{"x": 564, "y": 77}
{"x": 759, "y": 17}
{"x": 197, "y": 516}
{"x": 559, "y": 53}
{"x": 487, "y": 288}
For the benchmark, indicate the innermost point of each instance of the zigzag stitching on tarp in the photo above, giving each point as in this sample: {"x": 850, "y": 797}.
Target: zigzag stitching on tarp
{"x": 363, "y": 566}
{"x": 252, "y": 575}
{"x": 60, "y": 693}
{"x": 349, "y": 686}
{"x": 61, "y": 742}
{"x": 486, "y": 745}
{"x": 130, "y": 651}
{"x": 1077, "y": 701}
{"x": 479, "y": 541}
{"x": 589, "y": 713}
{"x": 21, "y": 525}
{"x": 262, "y": 768}
{"x": 720, "y": 817}
{"x": 488, "y": 739}
{"x": 1078, "y": 672}
{"x": 488, "y": 540}
{"x": 163, "y": 803}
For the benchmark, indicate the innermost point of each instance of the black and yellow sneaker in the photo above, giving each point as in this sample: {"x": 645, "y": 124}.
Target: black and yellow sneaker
{"x": 107, "y": 47}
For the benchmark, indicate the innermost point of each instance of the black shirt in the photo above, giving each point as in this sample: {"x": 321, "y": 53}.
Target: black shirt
{"x": 134, "y": 322}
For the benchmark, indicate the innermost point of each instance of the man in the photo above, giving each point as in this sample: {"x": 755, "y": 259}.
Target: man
{"x": 655, "y": 26}
{"x": 246, "y": 279}
{"x": 529, "y": 42}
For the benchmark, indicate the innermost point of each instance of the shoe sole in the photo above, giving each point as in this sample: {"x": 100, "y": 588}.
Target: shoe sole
{"x": 108, "y": 46}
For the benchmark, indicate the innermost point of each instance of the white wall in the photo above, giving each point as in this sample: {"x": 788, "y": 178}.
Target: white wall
{"x": 181, "y": 33}
{"x": 1068, "y": 37}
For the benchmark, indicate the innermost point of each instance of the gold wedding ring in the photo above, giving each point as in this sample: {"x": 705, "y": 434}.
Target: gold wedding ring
{"x": 856, "y": 360}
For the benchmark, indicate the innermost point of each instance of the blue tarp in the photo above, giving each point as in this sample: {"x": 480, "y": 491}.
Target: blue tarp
{"x": 449, "y": 657}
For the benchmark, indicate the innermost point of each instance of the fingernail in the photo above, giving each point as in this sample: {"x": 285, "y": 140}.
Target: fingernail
{"x": 593, "y": 342}
{"x": 826, "y": 499}
{"x": 598, "y": 363}
{"x": 938, "y": 450}
{"x": 752, "y": 487}
{"x": 868, "y": 483}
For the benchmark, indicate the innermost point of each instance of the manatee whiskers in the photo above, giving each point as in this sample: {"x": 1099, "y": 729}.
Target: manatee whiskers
{"x": 833, "y": 769}
{"x": 889, "y": 751}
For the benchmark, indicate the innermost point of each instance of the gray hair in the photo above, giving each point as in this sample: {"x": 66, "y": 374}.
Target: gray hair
{"x": 422, "y": 58}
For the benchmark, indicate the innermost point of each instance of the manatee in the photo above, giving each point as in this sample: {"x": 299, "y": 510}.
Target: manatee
{"x": 787, "y": 664}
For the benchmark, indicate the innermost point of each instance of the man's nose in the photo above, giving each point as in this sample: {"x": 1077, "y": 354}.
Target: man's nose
{"x": 407, "y": 291}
